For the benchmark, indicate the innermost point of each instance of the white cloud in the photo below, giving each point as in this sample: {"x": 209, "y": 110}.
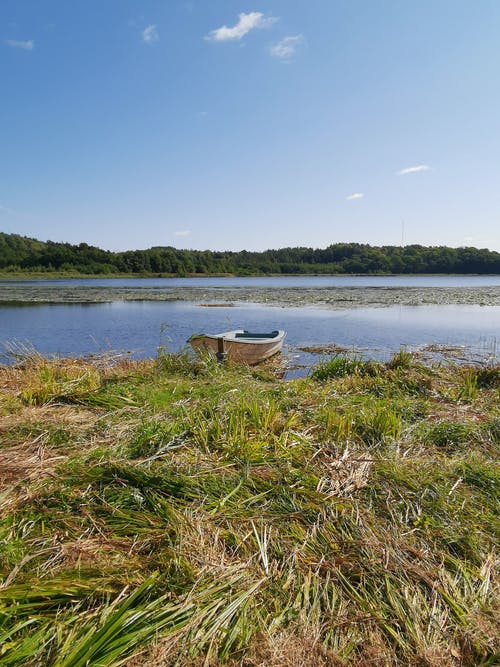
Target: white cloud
{"x": 27, "y": 45}
{"x": 355, "y": 195}
{"x": 150, "y": 34}
{"x": 414, "y": 170}
{"x": 183, "y": 232}
{"x": 285, "y": 49}
{"x": 246, "y": 22}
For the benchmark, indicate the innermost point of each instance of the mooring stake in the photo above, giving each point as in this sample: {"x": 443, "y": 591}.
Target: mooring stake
{"x": 221, "y": 355}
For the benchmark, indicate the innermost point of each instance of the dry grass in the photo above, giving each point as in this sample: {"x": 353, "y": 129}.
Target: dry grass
{"x": 24, "y": 464}
{"x": 290, "y": 648}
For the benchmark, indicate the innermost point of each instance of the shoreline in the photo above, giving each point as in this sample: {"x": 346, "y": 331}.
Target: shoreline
{"x": 336, "y": 298}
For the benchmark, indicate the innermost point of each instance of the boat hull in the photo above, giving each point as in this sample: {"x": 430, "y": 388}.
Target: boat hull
{"x": 249, "y": 351}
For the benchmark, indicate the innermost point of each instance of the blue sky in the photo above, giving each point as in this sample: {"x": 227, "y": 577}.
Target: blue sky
{"x": 229, "y": 125}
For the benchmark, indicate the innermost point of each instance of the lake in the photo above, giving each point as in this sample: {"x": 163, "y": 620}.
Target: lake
{"x": 269, "y": 281}
{"x": 139, "y": 327}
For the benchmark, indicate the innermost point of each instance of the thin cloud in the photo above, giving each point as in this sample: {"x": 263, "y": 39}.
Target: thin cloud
{"x": 183, "y": 232}
{"x": 26, "y": 45}
{"x": 150, "y": 34}
{"x": 355, "y": 195}
{"x": 11, "y": 211}
{"x": 6, "y": 209}
{"x": 413, "y": 170}
{"x": 286, "y": 48}
{"x": 246, "y": 23}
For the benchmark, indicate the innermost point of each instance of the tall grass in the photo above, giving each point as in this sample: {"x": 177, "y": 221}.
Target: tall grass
{"x": 182, "y": 513}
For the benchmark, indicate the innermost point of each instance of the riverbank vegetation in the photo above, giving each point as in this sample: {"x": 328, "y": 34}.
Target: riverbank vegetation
{"x": 178, "y": 512}
{"x": 21, "y": 255}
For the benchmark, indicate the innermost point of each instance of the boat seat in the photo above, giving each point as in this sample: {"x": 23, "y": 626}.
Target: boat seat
{"x": 247, "y": 334}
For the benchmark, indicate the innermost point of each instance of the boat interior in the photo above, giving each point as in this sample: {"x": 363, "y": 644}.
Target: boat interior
{"x": 248, "y": 334}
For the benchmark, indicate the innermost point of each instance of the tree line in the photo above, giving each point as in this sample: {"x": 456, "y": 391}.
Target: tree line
{"x": 22, "y": 254}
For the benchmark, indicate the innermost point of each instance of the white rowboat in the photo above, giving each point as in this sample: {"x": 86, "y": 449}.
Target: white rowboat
{"x": 240, "y": 345}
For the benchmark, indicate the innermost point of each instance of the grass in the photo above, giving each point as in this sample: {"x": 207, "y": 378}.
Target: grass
{"x": 340, "y": 366}
{"x": 179, "y": 512}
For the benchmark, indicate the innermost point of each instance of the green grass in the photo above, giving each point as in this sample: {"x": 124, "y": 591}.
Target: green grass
{"x": 340, "y": 366}
{"x": 179, "y": 512}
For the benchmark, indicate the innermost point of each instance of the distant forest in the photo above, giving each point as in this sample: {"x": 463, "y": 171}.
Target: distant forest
{"x": 22, "y": 254}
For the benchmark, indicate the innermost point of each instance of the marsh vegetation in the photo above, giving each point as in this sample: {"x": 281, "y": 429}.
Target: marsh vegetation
{"x": 178, "y": 512}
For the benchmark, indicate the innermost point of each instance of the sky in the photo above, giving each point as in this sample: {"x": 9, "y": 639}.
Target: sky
{"x": 252, "y": 124}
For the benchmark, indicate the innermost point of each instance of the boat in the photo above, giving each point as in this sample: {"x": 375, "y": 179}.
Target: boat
{"x": 240, "y": 345}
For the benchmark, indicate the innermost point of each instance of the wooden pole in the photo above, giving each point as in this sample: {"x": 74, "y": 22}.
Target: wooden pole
{"x": 221, "y": 355}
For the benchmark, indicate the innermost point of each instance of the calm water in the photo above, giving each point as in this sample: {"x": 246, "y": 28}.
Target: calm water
{"x": 280, "y": 281}
{"x": 140, "y": 326}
